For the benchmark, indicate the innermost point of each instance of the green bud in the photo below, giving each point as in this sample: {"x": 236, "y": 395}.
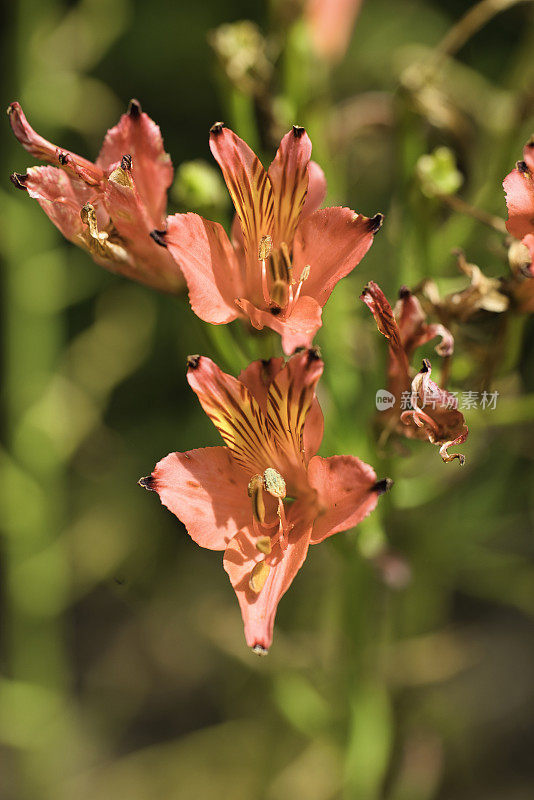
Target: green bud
{"x": 199, "y": 187}
{"x": 438, "y": 174}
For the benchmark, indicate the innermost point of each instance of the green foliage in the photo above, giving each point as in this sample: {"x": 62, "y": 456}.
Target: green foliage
{"x": 124, "y": 670}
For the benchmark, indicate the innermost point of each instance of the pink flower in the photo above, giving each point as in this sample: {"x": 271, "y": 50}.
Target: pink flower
{"x": 110, "y": 208}
{"x": 265, "y": 496}
{"x": 519, "y": 188}
{"x": 285, "y": 256}
{"x": 431, "y": 413}
{"x": 331, "y": 23}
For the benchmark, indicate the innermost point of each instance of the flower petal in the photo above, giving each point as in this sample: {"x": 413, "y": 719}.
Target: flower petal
{"x": 207, "y": 491}
{"x": 330, "y": 23}
{"x": 258, "y": 377}
{"x": 297, "y": 329}
{"x": 435, "y": 415}
{"x": 44, "y": 150}
{"x": 234, "y": 412}
{"x": 289, "y": 180}
{"x": 414, "y": 331}
{"x": 345, "y": 493}
{"x": 519, "y": 188}
{"x": 399, "y": 379}
{"x": 259, "y": 609}
{"x": 248, "y": 184}
{"x": 55, "y": 193}
{"x": 290, "y": 398}
{"x": 313, "y": 430}
{"x": 316, "y": 190}
{"x": 206, "y": 258}
{"x": 301, "y": 326}
{"x": 154, "y": 265}
{"x": 138, "y": 136}
{"x": 332, "y": 242}
{"x": 375, "y": 299}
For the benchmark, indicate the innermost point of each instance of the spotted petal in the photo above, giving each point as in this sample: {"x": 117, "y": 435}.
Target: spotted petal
{"x": 234, "y": 412}
{"x": 248, "y": 184}
{"x": 290, "y": 398}
{"x": 207, "y": 491}
{"x": 259, "y": 609}
{"x": 332, "y": 242}
{"x": 258, "y": 377}
{"x": 289, "y": 180}
{"x": 346, "y": 493}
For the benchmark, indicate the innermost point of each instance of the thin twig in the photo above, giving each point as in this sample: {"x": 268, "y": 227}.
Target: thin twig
{"x": 472, "y": 21}
{"x": 462, "y": 207}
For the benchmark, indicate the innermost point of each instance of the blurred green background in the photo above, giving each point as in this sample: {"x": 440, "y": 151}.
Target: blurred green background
{"x": 402, "y": 666}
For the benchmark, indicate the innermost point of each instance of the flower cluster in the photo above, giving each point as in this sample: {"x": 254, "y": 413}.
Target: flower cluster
{"x": 265, "y": 496}
{"x": 433, "y": 412}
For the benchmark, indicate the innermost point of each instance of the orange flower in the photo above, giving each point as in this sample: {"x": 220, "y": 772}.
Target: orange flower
{"x": 331, "y": 23}
{"x": 285, "y": 257}
{"x": 519, "y": 188}
{"x": 109, "y": 208}
{"x": 265, "y": 496}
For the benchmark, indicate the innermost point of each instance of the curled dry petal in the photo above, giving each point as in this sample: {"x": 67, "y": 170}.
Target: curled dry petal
{"x": 434, "y": 412}
{"x": 435, "y": 416}
{"x": 414, "y": 329}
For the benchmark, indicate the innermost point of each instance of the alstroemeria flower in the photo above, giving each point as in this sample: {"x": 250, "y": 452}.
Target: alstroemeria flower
{"x": 110, "y": 208}
{"x": 519, "y": 188}
{"x": 265, "y": 496}
{"x": 285, "y": 257}
{"x": 330, "y": 23}
{"x": 433, "y": 412}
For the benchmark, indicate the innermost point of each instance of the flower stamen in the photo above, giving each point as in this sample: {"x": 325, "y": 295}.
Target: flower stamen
{"x": 264, "y": 251}
{"x": 274, "y": 483}
{"x": 255, "y": 492}
{"x": 280, "y": 273}
{"x": 294, "y": 297}
{"x": 258, "y": 576}
{"x": 263, "y": 544}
